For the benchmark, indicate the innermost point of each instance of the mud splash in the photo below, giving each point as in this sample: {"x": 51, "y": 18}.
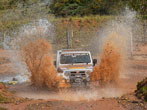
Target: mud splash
{"x": 38, "y": 57}
{"x": 79, "y": 94}
{"x": 110, "y": 65}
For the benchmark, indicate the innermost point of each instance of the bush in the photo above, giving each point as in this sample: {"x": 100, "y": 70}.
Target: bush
{"x": 86, "y": 7}
{"x": 141, "y": 91}
{"x": 4, "y": 99}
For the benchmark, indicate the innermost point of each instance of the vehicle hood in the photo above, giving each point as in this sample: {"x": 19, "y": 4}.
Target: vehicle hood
{"x": 75, "y": 67}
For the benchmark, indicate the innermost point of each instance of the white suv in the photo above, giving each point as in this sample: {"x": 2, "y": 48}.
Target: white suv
{"x": 74, "y": 66}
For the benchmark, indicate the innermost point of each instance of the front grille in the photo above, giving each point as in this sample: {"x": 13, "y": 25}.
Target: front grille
{"x": 77, "y": 76}
{"x": 82, "y": 72}
{"x": 78, "y": 73}
{"x": 75, "y": 72}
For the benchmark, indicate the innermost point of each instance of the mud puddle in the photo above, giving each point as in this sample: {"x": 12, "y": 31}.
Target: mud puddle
{"x": 26, "y": 90}
{"x": 5, "y": 78}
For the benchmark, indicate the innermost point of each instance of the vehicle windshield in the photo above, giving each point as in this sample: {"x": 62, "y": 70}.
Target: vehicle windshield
{"x": 75, "y": 58}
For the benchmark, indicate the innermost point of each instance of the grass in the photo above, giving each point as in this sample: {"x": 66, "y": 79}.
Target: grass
{"x": 10, "y": 19}
{"x": 3, "y": 94}
{"x": 82, "y": 27}
{"x": 4, "y": 99}
{"x": 2, "y": 83}
{"x": 142, "y": 88}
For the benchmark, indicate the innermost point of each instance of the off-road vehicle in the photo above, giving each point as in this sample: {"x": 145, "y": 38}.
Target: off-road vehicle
{"x": 75, "y": 66}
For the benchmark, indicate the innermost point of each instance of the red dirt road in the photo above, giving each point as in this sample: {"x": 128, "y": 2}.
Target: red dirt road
{"x": 103, "y": 104}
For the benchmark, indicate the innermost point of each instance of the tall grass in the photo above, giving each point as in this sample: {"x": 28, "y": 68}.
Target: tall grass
{"x": 82, "y": 27}
{"x": 81, "y": 30}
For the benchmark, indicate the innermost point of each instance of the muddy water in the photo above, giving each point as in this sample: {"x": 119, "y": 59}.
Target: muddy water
{"x": 110, "y": 65}
{"x": 38, "y": 57}
{"x": 70, "y": 94}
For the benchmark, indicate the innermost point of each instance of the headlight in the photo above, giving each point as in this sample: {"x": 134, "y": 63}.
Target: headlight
{"x": 66, "y": 74}
{"x": 88, "y": 72}
{"x": 59, "y": 70}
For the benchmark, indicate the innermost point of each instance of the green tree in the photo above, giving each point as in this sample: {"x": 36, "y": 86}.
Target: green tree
{"x": 139, "y": 6}
{"x": 70, "y": 7}
{"x": 4, "y": 4}
{"x": 86, "y": 7}
{"x": 24, "y": 2}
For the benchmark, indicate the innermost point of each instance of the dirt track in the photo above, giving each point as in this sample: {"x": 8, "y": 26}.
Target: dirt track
{"x": 46, "y": 100}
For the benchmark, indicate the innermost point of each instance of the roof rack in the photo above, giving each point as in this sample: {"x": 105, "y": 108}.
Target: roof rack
{"x": 74, "y": 50}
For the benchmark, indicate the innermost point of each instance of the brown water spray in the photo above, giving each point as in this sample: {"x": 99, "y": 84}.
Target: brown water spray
{"x": 38, "y": 58}
{"x": 110, "y": 65}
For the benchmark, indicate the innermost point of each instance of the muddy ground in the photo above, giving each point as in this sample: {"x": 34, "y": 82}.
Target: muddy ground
{"x": 113, "y": 97}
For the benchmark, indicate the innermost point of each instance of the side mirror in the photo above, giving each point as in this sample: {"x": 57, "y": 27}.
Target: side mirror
{"x": 94, "y": 62}
{"x": 55, "y": 63}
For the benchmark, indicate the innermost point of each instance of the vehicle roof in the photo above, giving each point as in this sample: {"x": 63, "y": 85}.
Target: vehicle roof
{"x": 73, "y": 51}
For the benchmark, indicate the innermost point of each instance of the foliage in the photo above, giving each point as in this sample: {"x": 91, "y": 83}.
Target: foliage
{"x": 10, "y": 4}
{"x": 85, "y": 7}
{"x": 141, "y": 91}
{"x": 16, "y": 13}
{"x": 139, "y": 6}
{"x": 4, "y": 99}
{"x": 4, "y": 4}
{"x": 79, "y": 7}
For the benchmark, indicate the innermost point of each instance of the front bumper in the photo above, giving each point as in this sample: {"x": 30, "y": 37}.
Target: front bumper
{"x": 76, "y": 75}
